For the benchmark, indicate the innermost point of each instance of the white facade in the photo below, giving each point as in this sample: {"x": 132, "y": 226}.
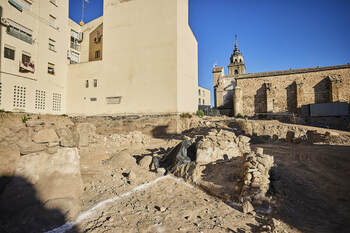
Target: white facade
{"x": 203, "y": 96}
{"x": 33, "y": 63}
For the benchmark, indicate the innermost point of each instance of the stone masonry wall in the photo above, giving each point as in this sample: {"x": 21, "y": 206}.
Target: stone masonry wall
{"x": 283, "y": 90}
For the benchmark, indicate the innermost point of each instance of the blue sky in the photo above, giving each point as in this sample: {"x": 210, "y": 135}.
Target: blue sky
{"x": 272, "y": 34}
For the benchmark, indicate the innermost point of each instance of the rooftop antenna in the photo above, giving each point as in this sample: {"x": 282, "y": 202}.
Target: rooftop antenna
{"x": 82, "y": 12}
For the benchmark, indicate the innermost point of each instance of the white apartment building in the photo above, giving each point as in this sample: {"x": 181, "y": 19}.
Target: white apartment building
{"x": 203, "y": 96}
{"x": 50, "y": 64}
{"x": 33, "y": 63}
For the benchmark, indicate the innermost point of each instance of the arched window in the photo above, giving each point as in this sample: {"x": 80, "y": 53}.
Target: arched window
{"x": 236, "y": 71}
{"x": 240, "y": 60}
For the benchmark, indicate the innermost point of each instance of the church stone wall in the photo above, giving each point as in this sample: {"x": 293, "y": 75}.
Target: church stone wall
{"x": 289, "y": 92}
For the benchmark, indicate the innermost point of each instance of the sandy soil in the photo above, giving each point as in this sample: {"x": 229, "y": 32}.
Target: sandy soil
{"x": 310, "y": 188}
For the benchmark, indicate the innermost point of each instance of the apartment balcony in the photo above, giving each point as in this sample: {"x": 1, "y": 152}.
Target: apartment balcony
{"x": 19, "y": 34}
{"x": 26, "y": 67}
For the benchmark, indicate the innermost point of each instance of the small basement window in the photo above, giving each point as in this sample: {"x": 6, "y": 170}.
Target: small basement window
{"x": 93, "y": 99}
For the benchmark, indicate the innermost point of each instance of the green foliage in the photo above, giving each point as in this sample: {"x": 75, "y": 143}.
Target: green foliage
{"x": 200, "y": 113}
{"x": 25, "y": 119}
{"x": 186, "y": 115}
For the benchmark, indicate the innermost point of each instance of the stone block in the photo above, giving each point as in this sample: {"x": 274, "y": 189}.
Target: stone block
{"x": 45, "y": 136}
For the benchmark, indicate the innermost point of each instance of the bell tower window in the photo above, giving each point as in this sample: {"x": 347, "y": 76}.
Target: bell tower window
{"x": 236, "y": 71}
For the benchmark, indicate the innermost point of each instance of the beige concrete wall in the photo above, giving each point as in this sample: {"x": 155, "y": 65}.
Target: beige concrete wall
{"x": 187, "y": 62}
{"x": 203, "y": 96}
{"x": 315, "y": 90}
{"x": 149, "y": 60}
{"x": 140, "y": 54}
{"x": 37, "y": 19}
{"x": 79, "y": 96}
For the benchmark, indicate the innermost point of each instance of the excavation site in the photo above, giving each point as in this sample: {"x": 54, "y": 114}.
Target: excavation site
{"x": 171, "y": 174}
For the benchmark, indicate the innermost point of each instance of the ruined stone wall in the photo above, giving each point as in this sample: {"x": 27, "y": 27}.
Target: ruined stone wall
{"x": 314, "y": 87}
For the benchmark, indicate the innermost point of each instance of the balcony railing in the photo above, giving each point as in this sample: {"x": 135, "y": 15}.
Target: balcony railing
{"x": 19, "y": 35}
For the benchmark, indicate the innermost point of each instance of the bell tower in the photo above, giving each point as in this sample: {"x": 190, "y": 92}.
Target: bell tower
{"x": 237, "y": 65}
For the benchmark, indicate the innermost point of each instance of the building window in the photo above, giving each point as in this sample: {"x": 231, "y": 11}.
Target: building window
{"x": 113, "y": 100}
{"x": 26, "y": 64}
{"x": 199, "y": 101}
{"x": 236, "y": 71}
{"x": 21, "y": 4}
{"x": 9, "y": 53}
{"x": 87, "y": 83}
{"x": 74, "y": 40}
{"x": 52, "y": 21}
{"x": 52, "y": 44}
{"x": 25, "y": 58}
{"x": 199, "y": 92}
{"x": 54, "y": 2}
{"x": 93, "y": 99}
{"x": 97, "y": 54}
{"x": 74, "y": 57}
{"x": 20, "y": 32}
{"x": 95, "y": 82}
{"x": 203, "y": 101}
{"x": 51, "y": 68}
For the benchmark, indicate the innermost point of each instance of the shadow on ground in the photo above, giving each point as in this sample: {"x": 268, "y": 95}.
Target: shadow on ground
{"x": 312, "y": 186}
{"x": 22, "y": 211}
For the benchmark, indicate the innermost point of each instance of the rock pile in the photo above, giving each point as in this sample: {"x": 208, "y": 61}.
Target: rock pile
{"x": 135, "y": 137}
{"x": 255, "y": 178}
{"x": 221, "y": 145}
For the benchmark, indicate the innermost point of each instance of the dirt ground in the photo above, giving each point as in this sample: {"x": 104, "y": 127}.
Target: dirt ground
{"x": 312, "y": 186}
{"x": 309, "y": 185}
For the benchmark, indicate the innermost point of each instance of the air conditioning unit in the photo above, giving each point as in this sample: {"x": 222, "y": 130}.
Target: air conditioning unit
{"x": 4, "y": 22}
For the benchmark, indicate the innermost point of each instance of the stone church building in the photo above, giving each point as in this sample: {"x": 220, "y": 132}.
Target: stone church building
{"x": 321, "y": 89}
